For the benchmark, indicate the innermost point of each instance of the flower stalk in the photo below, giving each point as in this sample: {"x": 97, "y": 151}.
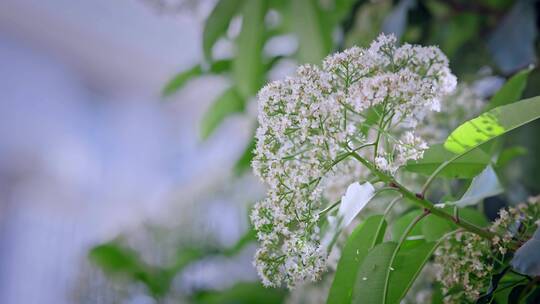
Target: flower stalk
{"x": 423, "y": 202}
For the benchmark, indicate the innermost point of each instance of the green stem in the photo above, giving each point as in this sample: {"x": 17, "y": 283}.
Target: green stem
{"x": 379, "y": 228}
{"x": 433, "y": 175}
{"x": 419, "y": 200}
{"x": 327, "y": 209}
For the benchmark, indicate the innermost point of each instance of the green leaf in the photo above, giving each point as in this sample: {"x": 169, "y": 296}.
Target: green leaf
{"x": 243, "y": 293}
{"x": 493, "y": 285}
{"x": 390, "y": 269}
{"x": 368, "y": 22}
{"x": 342, "y": 8}
{"x": 370, "y": 281}
{"x": 314, "y": 39}
{"x": 406, "y": 266}
{"x": 472, "y": 216}
{"x": 362, "y": 239}
{"x": 114, "y": 259}
{"x": 228, "y": 103}
{"x": 248, "y": 66}
{"x": 220, "y": 66}
{"x": 178, "y": 81}
{"x": 218, "y": 22}
{"x": 492, "y": 124}
{"x": 400, "y": 226}
{"x": 244, "y": 162}
{"x": 485, "y": 185}
{"x": 511, "y": 91}
{"x": 467, "y": 166}
{"x": 434, "y": 227}
{"x": 508, "y": 154}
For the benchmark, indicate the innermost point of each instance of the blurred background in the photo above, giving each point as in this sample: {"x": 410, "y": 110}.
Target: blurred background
{"x": 125, "y": 131}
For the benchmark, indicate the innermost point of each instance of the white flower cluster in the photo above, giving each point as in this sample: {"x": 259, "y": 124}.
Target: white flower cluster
{"x": 465, "y": 260}
{"x": 363, "y": 100}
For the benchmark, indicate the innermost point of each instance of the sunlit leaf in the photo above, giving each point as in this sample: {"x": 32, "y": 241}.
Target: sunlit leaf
{"x": 228, "y": 103}
{"x": 485, "y": 185}
{"x": 361, "y": 240}
{"x": 248, "y": 67}
{"x": 218, "y": 22}
{"x": 467, "y": 166}
{"x": 492, "y": 124}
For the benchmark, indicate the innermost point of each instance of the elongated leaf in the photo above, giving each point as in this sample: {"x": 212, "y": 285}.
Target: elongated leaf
{"x": 527, "y": 258}
{"x": 405, "y": 269}
{"x": 180, "y": 80}
{"x": 511, "y": 91}
{"x": 115, "y": 259}
{"x": 483, "y": 186}
{"x": 371, "y": 277}
{"x": 314, "y": 39}
{"x": 248, "y": 67}
{"x": 228, "y": 103}
{"x": 467, "y": 166}
{"x": 492, "y": 124}
{"x": 396, "y": 21}
{"x": 512, "y": 44}
{"x": 218, "y": 22}
{"x": 355, "y": 250}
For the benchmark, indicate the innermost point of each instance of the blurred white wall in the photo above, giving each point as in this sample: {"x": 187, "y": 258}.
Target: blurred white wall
{"x": 86, "y": 146}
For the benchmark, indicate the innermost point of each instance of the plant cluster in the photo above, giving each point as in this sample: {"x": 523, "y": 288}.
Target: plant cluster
{"x": 310, "y": 122}
{"x": 360, "y": 119}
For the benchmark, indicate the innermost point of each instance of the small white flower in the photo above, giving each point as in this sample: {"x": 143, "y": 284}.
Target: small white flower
{"x": 354, "y": 200}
